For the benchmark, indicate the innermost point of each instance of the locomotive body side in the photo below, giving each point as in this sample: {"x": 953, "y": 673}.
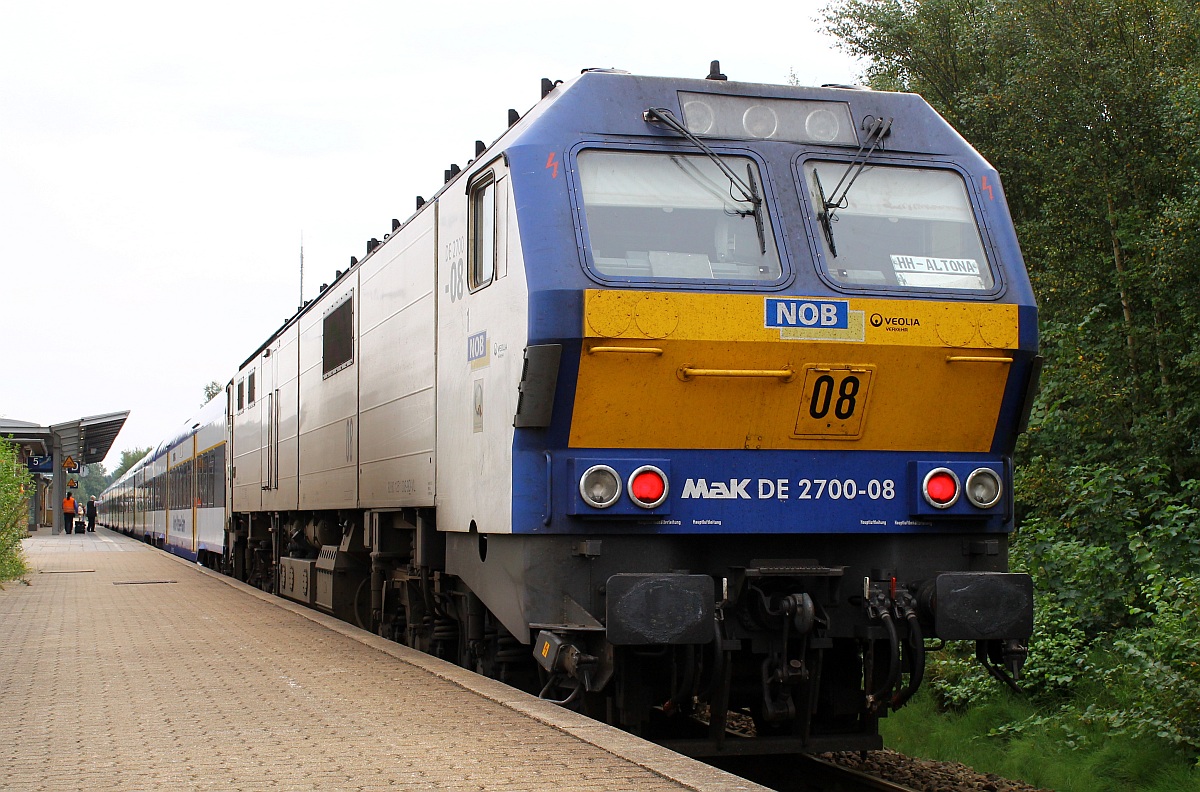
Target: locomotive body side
{"x": 397, "y": 345}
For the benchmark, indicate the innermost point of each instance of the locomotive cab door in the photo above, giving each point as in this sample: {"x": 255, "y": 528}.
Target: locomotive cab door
{"x": 482, "y": 331}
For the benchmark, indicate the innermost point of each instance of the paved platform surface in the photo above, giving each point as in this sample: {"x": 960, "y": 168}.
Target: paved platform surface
{"x": 125, "y": 668}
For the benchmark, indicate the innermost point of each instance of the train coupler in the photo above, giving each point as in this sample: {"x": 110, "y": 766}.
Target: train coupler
{"x": 1003, "y": 660}
{"x": 569, "y": 666}
{"x": 785, "y": 672}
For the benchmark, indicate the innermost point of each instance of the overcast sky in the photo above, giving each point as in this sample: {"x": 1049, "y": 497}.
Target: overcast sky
{"x": 160, "y": 161}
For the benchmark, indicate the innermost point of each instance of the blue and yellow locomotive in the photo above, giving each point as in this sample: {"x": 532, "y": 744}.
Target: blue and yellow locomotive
{"x": 702, "y": 394}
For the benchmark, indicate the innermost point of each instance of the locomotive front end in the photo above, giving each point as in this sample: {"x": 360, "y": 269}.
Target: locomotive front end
{"x": 781, "y": 456}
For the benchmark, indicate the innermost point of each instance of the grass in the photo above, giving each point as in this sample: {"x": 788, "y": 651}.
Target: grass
{"x": 1041, "y": 752}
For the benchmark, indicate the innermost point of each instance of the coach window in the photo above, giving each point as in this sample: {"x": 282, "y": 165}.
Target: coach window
{"x": 897, "y": 227}
{"x": 671, "y": 217}
{"x": 250, "y": 389}
{"x": 203, "y": 481}
{"x": 483, "y": 232}
{"x": 241, "y": 397}
{"x": 207, "y": 479}
{"x": 219, "y": 472}
{"x": 337, "y": 339}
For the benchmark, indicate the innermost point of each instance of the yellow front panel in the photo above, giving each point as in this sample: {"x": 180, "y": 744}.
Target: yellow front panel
{"x": 671, "y": 370}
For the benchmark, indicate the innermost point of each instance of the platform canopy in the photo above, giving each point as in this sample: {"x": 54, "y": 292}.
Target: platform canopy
{"x": 37, "y": 439}
{"x": 90, "y": 439}
{"x": 86, "y": 440}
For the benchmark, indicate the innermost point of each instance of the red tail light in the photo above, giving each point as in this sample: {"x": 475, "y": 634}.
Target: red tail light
{"x": 941, "y": 488}
{"x": 648, "y": 486}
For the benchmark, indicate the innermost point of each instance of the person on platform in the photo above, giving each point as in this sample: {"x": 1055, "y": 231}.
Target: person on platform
{"x": 68, "y": 510}
{"x": 91, "y": 514}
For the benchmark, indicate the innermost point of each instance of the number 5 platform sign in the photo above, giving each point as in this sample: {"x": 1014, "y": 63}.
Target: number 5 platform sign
{"x": 834, "y": 401}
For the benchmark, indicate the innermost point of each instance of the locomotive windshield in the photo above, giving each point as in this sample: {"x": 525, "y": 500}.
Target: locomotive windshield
{"x": 674, "y": 216}
{"x": 900, "y": 227}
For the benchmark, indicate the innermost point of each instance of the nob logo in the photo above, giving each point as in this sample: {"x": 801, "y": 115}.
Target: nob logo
{"x": 876, "y": 320}
{"x": 821, "y": 314}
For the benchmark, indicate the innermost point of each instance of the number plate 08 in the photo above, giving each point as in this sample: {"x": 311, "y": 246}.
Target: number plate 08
{"x": 834, "y": 401}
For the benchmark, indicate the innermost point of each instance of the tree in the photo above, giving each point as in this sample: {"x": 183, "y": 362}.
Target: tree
{"x": 93, "y": 483}
{"x": 129, "y": 458}
{"x": 210, "y": 391}
{"x": 1090, "y": 110}
{"x": 15, "y": 487}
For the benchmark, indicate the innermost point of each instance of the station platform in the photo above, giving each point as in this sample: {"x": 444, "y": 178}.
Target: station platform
{"x": 125, "y": 668}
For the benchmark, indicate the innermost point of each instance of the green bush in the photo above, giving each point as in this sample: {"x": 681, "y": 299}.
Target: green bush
{"x": 1152, "y": 679}
{"x": 15, "y": 486}
{"x": 1115, "y": 556}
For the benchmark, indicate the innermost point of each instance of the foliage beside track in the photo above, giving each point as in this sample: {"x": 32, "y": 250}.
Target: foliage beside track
{"x": 1090, "y": 110}
{"x": 1042, "y": 752}
{"x": 15, "y": 484}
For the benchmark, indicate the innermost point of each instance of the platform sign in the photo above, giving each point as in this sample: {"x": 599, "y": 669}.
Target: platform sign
{"x": 72, "y": 484}
{"x": 41, "y": 464}
{"x": 70, "y": 465}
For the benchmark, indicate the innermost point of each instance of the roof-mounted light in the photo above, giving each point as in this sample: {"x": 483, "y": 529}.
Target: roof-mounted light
{"x": 792, "y": 120}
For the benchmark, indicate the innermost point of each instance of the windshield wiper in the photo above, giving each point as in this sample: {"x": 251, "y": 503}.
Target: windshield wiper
{"x": 756, "y": 201}
{"x": 875, "y": 136}
{"x": 749, "y": 191}
{"x": 824, "y": 216}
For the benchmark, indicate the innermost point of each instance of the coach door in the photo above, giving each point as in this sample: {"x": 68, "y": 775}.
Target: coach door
{"x": 193, "y": 476}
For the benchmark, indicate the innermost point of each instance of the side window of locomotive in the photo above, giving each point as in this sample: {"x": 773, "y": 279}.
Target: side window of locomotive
{"x": 337, "y": 337}
{"x": 250, "y": 389}
{"x": 482, "y": 221}
{"x": 665, "y": 216}
{"x": 241, "y": 397}
{"x": 897, "y": 227}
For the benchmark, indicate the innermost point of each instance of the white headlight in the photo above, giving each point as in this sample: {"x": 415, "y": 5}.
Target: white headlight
{"x": 600, "y": 486}
{"x": 760, "y": 121}
{"x": 984, "y": 488}
{"x": 822, "y": 125}
{"x": 698, "y": 117}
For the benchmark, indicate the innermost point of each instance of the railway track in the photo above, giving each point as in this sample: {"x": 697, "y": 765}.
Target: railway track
{"x": 806, "y": 773}
{"x": 874, "y": 770}
{"x": 830, "y": 777}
